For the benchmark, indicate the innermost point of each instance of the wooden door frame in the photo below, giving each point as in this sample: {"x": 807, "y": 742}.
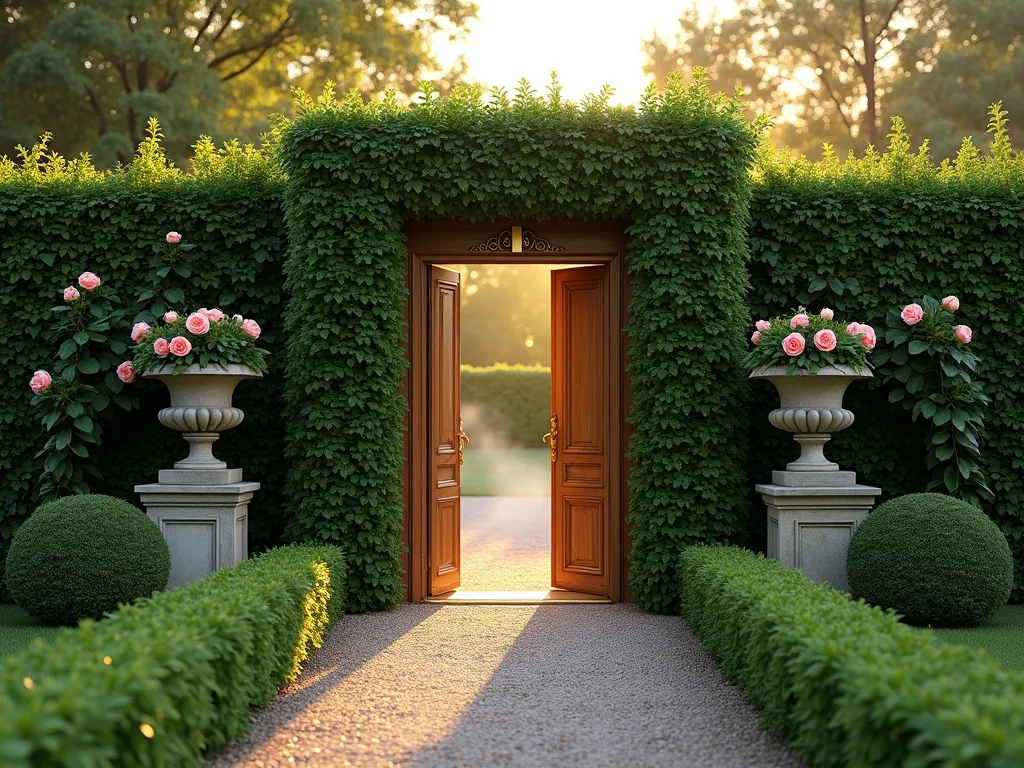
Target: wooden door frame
{"x": 450, "y": 242}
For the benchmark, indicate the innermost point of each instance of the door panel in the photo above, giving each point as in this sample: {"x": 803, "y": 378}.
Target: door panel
{"x": 580, "y": 407}
{"x": 444, "y": 433}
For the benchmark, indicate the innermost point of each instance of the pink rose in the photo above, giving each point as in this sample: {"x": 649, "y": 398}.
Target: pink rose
{"x": 197, "y": 323}
{"x": 756, "y": 338}
{"x": 825, "y": 340}
{"x": 952, "y": 303}
{"x": 252, "y": 328}
{"x": 827, "y": 314}
{"x": 853, "y": 329}
{"x": 170, "y": 317}
{"x": 203, "y": 311}
{"x": 793, "y": 344}
{"x": 215, "y": 315}
{"x": 173, "y": 238}
{"x": 89, "y": 281}
{"x": 71, "y": 293}
{"x": 180, "y": 346}
{"x": 139, "y": 330}
{"x": 912, "y": 314}
{"x": 762, "y": 325}
{"x": 799, "y": 320}
{"x": 161, "y": 347}
{"x": 868, "y": 338}
{"x": 963, "y": 334}
{"x": 126, "y": 372}
{"x": 40, "y": 382}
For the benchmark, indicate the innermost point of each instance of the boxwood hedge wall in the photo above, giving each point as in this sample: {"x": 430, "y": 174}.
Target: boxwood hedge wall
{"x": 675, "y": 169}
{"x": 514, "y": 403}
{"x": 50, "y": 232}
{"x": 860, "y": 237}
{"x": 866, "y": 236}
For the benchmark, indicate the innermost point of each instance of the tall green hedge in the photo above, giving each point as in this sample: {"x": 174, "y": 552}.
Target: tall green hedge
{"x": 674, "y": 170}
{"x": 51, "y": 230}
{"x": 864, "y": 236}
{"x": 514, "y": 400}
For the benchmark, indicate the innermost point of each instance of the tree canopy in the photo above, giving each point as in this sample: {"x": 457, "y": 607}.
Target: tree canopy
{"x": 835, "y": 70}
{"x": 93, "y": 71}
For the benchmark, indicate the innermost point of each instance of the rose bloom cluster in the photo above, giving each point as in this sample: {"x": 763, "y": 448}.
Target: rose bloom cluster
{"x": 197, "y": 323}
{"x": 913, "y": 314}
{"x": 825, "y": 340}
{"x": 87, "y": 281}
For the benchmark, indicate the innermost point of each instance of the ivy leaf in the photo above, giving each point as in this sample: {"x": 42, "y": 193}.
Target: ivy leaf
{"x": 67, "y": 349}
{"x": 174, "y": 295}
{"x": 74, "y": 409}
{"x": 89, "y": 365}
{"x": 817, "y": 284}
{"x": 836, "y": 285}
{"x": 118, "y": 347}
{"x": 917, "y": 347}
{"x": 84, "y": 423}
{"x": 81, "y": 338}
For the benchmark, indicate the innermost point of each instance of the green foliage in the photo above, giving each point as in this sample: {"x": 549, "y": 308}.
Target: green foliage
{"x": 225, "y": 343}
{"x": 845, "y": 684}
{"x": 160, "y": 681}
{"x": 95, "y": 71}
{"x": 935, "y": 560}
{"x": 510, "y": 403}
{"x": 901, "y": 227}
{"x": 18, "y": 630}
{"x": 930, "y": 374}
{"x": 90, "y": 329}
{"x": 54, "y": 223}
{"x": 357, "y": 171}
{"x": 851, "y": 348}
{"x": 82, "y": 556}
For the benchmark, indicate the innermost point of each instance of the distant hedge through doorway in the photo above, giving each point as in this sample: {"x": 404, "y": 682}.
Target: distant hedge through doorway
{"x": 674, "y": 170}
{"x": 506, "y": 405}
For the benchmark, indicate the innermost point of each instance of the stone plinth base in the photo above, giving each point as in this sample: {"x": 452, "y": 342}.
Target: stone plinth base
{"x": 810, "y": 527}
{"x": 206, "y": 525}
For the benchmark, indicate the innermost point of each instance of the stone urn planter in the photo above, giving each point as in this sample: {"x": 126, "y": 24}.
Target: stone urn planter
{"x": 811, "y": 408}
{"x": 201, "y": 506}
{"x": 813, "y": 508}
{"x": 201, "y": 408}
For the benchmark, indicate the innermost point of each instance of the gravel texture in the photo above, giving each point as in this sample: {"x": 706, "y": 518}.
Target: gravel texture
{"x": 506, "y": 543}
{"x": 576, "y": 685}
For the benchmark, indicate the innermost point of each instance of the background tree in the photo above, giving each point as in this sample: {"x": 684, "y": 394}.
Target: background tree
{"x": 93, "y": 71}
{"x": 832, "y": 70}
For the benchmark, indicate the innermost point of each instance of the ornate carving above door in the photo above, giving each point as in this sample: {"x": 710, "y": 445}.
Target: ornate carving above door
{"x": 515, "y": 240}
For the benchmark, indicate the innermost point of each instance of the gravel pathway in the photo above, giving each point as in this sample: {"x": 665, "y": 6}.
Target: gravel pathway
{"x": 577, "y": 685}
{"x": 506, "y": 543}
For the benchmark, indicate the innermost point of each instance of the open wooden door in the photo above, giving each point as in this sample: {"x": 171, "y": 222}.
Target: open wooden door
{"x": 445, "y": 432}
{"x": 580, "y": 430}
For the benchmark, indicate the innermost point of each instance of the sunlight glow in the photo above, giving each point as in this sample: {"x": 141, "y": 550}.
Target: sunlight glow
{"x": 588, "y": 42}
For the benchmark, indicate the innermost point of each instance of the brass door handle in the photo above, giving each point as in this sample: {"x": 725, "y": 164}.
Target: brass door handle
{"x": 463, "y": 441}
{"x": 552, "y": 437}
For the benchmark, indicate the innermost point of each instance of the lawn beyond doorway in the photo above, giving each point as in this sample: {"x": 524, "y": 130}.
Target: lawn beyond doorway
{"x": 507, "y": 472}
{"x": 1002, "y": 637}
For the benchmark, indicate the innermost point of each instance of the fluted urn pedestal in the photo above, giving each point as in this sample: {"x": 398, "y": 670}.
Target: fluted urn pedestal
{"x": 813, "y": 506}
{"x": 201, "y": 505}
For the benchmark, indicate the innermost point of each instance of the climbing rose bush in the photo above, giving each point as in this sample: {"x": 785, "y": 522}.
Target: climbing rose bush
{"x": 203, "y": 337}
{"x": 931, "y": 369}
{"x": 806, "y": 341}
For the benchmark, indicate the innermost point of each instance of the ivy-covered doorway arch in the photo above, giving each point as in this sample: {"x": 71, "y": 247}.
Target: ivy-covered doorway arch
{"x": 674, "y": 169}
{"x": 565, "y": 243}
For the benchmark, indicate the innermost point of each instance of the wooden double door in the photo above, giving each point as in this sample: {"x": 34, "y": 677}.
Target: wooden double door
{"x": 581, "y": 438}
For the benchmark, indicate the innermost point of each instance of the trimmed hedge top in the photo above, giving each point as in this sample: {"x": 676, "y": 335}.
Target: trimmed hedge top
{"x": 161, "y": 681}
{"x": 844, "y": 684}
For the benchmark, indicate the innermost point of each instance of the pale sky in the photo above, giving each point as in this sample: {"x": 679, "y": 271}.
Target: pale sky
{"x": 588, "y": 42}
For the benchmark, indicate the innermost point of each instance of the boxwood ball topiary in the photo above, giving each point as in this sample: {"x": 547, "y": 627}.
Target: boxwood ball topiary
{"x": 934, "y": 559}
{"x": 78, "y": 557}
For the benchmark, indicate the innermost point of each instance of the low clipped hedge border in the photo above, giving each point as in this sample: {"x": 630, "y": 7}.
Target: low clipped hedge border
{"x": 159, "y": 682}
{"x": 843, "y": 683}
{"x": 515, "y": 400}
